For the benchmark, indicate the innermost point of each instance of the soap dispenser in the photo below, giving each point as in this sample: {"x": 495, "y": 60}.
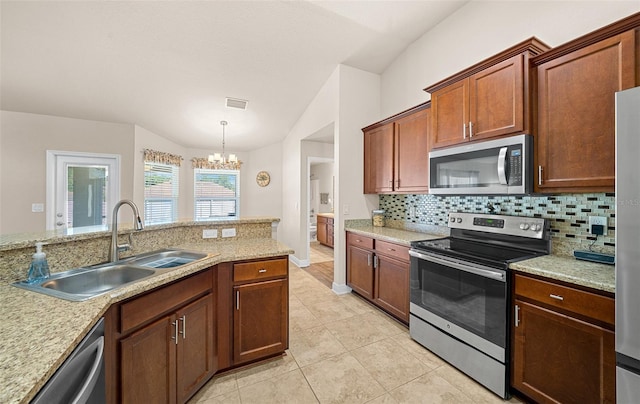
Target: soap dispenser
{"x": 39, "y": 268}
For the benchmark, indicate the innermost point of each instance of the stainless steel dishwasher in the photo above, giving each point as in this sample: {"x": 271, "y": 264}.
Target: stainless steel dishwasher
{"x": 80, "y": 379}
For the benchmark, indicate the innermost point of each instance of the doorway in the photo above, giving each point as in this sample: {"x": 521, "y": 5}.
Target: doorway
{"x": 80, "y": 188}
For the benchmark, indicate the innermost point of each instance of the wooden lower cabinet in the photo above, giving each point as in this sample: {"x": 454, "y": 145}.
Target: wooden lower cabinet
{"x": 379, "y": 271}
{"x": 163, "y": 343}
{"x": 260, "y": 320}
{"x": 260, "y": 305}
{"x": 561, "y": 355}
{"x": 325, "y": 230}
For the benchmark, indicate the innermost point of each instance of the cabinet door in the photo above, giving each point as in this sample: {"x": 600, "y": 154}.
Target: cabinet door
{"x": 330, "y": 235}
{"x": 557, "y": 358}
{"x": 260, "y": 320}
{"x": 392, "y": 286}
{"x": 379, "y": 159}
{"x": 412, "y": 152}
{"x": 322, "y": 232}
{"x": 496, "y": 100}
{"x": 148, "y": 368}
{"x": 450, "y": 114}
{"x": 576, "y": 103}
{"x": 360, "y": 271}
{"x": 196, "y": 346}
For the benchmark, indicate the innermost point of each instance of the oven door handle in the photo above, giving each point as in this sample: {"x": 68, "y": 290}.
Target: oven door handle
{"x": 502, "y": 166}
{"x": 463, "y": 266}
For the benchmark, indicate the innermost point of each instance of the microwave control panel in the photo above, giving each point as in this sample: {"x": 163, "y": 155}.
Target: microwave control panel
{"x": 515, "y": 165}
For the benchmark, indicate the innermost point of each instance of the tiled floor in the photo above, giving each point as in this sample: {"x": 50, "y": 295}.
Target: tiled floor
{"x": 342, "y": 350}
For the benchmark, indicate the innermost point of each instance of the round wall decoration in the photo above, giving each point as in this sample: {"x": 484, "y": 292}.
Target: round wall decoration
{"x": 263, "y": 178}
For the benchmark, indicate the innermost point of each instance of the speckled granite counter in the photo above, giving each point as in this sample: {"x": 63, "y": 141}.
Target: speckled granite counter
{"x": 390, "y": 234}
{"x": 567, "y": 269}
{"x": 38, "y": 331}
{"x": 562, "y": 268}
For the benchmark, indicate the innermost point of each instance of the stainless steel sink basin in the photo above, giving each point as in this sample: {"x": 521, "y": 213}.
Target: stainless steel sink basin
{"x": 165, "y": 259}
{"x": 85, "y": 283}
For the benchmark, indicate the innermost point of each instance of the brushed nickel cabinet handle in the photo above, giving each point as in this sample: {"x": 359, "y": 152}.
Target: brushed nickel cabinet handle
{"x": 517, "y": 310}
{"x": 470, "y": 129}
{"x": 237, "y": 300}
{"x": 539, "y": 175}
{"x": 375, "y": 261}
{"x": 464, "y": 130}
{"x": 175, "y": 333}
{"x": 184, "y": 326}
{"x": 368, "y": 260}
{"x": 557, "y": 297}
{"x": 262, "y": 270}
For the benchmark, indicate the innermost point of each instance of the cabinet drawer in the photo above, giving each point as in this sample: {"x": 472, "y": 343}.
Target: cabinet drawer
{"x": 392, "y": 250}
{"x": 145, "y": 308}
{"x": 360, "y": 241}
{"x": 322, "y": 220}
{"x": 588, "y": 304}
{"x": 248, "y": 271}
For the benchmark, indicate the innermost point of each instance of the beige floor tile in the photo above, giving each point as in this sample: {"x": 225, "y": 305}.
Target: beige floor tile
{"x": 265, "y": 370}
{"x": 228, "y": 398}
{"x": 342, "y": 379}
{"x": 314, "y": 345}
{"x": 427, "y": 357}
{"x": 300, "y": 318}
{"x": 363, "y": 329}
{"x": 357, "y": 304}
{"x": 314, "y": 296}
{"x": 384, "y": 399}
{"x": 218, "y": 385}
{"x": 329, "y": 310}
{"x": 429, "y": 388}
{"x": 467, "y": 385}
{"x": 389, "y": 364}
{"x": 290, "y": 387}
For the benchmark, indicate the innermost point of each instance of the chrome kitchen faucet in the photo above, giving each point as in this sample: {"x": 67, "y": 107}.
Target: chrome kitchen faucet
{"x": 115, "y": 248}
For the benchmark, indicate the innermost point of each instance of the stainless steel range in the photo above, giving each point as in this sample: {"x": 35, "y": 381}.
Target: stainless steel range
{"x": 460, "y": 291}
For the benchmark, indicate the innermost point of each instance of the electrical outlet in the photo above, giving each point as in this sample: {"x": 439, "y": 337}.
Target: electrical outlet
{"x": 229, "y": 232}
{"x": 598, "y": 220}
{"x": 209, "y": 233}
{"x": 345, "y": 209}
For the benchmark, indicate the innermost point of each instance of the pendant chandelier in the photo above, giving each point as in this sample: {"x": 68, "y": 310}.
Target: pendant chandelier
{"x": 220, "y": 161}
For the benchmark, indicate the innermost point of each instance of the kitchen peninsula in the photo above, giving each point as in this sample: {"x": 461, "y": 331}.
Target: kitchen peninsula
{"x": 40, "y": 331}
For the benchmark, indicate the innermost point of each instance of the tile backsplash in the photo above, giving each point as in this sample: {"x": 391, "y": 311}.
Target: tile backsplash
{"x": 568, "y": 213}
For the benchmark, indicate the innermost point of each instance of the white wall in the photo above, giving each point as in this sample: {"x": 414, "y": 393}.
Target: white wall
{"x": 257, "y": 200}
{"x": 481, "y": 29}
{"x": 322, "y": 111}
{"x": 324, "y": 173}
{"x": 24, "y": 140}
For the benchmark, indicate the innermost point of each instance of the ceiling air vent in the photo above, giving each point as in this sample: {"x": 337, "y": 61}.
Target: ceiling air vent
{"x": 236, "y": 103}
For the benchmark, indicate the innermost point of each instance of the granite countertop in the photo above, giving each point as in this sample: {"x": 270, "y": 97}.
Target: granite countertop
{"x": 568, "y": 269}
{"x": 399, "y": 236}
{"x": 562, "y": 268}
{"x": 39, "y": 331}
{"x": 326, "y": 214}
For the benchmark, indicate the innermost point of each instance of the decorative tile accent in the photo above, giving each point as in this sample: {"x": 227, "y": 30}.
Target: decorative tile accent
{"x": 568, "y": 213}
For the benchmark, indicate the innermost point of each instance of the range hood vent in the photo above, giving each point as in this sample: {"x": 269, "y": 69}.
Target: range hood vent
{"x": 236, "y": 103}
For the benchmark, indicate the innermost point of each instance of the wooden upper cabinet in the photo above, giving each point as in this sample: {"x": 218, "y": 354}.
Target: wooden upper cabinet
{"x": 396, "y": 153}
{"x": 576, "y": 90}
{"x": 496, "y": 99}
{"x": 489, "y": 99}
{"x": 411, "y": 144}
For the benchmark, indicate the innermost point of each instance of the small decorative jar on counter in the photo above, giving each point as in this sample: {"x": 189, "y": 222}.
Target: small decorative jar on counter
{"x": 378, "y": 218}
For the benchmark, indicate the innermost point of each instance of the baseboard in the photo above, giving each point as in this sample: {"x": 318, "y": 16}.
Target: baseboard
{"x": 340, "y": 289}
{"x": 299, "y": 263}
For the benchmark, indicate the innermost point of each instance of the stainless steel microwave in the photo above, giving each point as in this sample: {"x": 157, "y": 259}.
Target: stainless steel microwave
{"x": 495, "y": 167}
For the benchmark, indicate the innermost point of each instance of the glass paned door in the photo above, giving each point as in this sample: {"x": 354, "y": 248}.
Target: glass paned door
{"x": 81, "y": 188}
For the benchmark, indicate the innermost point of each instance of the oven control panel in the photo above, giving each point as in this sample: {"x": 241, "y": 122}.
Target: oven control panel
{"x": 531, "y": 227}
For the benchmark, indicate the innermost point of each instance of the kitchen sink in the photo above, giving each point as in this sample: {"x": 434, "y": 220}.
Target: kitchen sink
{"x": 165, "y": 259}
{"x": 85, "y": 283}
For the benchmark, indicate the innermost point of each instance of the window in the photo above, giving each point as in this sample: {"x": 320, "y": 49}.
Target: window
{"x": 217, "y": 194}
{"x": 160, "y": 193}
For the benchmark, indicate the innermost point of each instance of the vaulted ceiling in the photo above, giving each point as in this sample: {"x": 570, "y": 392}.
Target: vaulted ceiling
{"x": 169, "y": 65}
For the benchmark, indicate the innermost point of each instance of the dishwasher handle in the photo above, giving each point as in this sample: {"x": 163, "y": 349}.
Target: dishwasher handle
{"x": 92, "y": 378}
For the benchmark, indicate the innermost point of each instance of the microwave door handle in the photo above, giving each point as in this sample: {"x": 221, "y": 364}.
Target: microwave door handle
{"x": 502, "y": 166}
